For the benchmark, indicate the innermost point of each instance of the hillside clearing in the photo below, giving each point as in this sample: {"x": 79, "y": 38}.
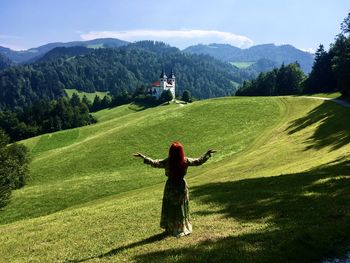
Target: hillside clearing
{"x": 89, "y": 95}
{"x": 276, "y": 191}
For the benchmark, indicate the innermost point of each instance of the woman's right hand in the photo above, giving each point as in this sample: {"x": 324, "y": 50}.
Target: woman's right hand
{"x": 138, "y": 155}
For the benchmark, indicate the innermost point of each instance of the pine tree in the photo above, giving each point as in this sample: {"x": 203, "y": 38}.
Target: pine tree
{"x": 321, "y": 78}
{"x": 74, "y": 100}
{"x": 96, "y": 105}
{"x": 345, "y": 25}
{"x": 341, "y": 63}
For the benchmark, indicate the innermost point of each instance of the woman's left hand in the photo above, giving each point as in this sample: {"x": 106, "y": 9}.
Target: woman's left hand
{"x": 210, "y": 151}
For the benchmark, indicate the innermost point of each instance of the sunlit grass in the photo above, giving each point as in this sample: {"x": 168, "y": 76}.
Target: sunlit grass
{"x": 89, "y": 95}
{"x": 332, "y": 95}
{"x": 276, "y": 191}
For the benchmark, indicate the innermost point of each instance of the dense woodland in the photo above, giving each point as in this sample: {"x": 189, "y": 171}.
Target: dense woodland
{"x": 46, "y": 116}
{"x": 285, "y": 80}
{"x": 330, "y": 72}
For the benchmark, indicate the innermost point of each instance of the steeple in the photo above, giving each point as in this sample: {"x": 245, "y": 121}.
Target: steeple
{"x": 172, "y": 74}
{"x": 162, "y": 75}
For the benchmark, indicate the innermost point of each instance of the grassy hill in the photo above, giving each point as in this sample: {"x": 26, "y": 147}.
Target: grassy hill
{"x": 276, "y": 191}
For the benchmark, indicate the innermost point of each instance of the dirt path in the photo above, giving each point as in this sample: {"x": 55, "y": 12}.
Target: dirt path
{"x": 339, "y": 101}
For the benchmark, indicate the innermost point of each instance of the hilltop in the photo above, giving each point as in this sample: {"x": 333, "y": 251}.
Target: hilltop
{"x": 33, "y": 54}
{"x": 277, "y": 190}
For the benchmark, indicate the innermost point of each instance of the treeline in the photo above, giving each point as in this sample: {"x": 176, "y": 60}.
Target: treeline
{"x": 330, "y": 72}
{"x": 116, "y": 70}
{"x": 46, "y": 116}
{"x": 14, "y": 170}
{"x": 286, "y": 80}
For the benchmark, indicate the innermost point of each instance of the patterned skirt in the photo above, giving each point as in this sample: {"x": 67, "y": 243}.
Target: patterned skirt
{"x": 175, "y": 217}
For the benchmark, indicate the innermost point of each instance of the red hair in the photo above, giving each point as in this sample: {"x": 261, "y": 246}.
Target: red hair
{"x": 177, "y": 162}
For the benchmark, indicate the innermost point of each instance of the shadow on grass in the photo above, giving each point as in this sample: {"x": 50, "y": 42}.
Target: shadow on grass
{"x": 140, "y": 106}
{"x": 152, "y": 239}
{"x": 334, "y": 128}
{"x": 308, "y": 218}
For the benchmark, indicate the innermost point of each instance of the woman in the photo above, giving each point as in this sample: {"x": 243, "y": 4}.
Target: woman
{"x": 175, "y": 217}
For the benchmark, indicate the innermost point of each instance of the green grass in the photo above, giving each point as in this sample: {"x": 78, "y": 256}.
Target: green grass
{"x": 276, "y": 191}
{"x": 89, "y": 95}
{"x": 331, "y": 95}
{"x": 242, "y": 65}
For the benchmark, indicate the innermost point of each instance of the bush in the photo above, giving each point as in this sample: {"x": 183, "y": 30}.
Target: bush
{"x": 13, "y": 167}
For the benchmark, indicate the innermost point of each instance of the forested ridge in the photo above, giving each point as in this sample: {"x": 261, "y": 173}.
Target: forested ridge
{"x": 116, "y": 70}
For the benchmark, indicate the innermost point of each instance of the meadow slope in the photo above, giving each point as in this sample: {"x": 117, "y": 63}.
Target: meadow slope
{"x": 276, "y": 191}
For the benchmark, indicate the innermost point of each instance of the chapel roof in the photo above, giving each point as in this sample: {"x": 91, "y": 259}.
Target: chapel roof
{"x": 156, "y": 84}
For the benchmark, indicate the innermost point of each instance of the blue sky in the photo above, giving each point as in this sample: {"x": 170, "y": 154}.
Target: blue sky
{"x": 243, "y": 23}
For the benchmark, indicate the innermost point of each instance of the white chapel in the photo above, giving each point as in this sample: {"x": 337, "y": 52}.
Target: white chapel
{"x": 164, "y": 83}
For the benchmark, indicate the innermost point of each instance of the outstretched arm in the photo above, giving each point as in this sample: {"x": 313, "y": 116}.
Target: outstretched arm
{"x": 199, "y": 161}
{"x": 154, "y": 163}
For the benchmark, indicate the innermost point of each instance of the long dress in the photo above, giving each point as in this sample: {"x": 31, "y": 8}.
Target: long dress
{"x": 175, "y": 217}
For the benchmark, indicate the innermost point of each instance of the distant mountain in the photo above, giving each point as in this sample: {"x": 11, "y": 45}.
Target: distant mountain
{"x": 279, "y": 54}
{"x": 65, "y": 52}
{"x": 222, "y": 52}
{"x": 33, "y": 54}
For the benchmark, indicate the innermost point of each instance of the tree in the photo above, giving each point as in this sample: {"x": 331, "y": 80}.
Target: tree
{"x": 345, "y": 25}
{"x": 13, "y": 167}
{"x": 166, "y": 96}
{"x": 74, "y": 100}
{"x": 186, "y": 96}
{"x": 321, "y": 78}
{"x": 86, "y": 101}
{"x": 341, "y": 63}
{"x": 96, "y": 105}
{"x": 120, "y": 98}
{"x": 105, "y": 102}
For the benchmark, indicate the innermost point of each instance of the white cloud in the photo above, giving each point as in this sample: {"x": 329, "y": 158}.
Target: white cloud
{"x": 12, "y": 46}
{"x": 310, "y": 50}
{"x": 180, "y": 38}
